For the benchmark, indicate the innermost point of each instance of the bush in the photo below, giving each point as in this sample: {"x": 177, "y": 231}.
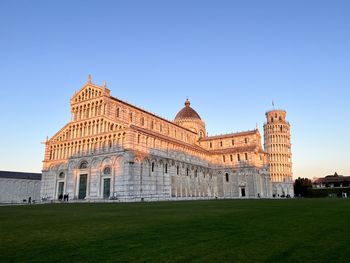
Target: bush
{"x": 327, "y": 192}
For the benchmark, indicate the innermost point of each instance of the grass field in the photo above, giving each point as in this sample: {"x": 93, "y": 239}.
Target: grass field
{"x": 309, "y": 230}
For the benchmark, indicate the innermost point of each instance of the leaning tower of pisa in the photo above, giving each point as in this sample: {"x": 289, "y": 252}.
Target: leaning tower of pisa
{"x": 277, "y": 144}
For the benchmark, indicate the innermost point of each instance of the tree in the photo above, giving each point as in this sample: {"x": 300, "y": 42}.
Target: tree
{"x": 301, "y": 185}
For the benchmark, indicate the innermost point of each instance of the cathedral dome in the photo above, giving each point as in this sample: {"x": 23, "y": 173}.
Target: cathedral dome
{"x": 187, "y": 112}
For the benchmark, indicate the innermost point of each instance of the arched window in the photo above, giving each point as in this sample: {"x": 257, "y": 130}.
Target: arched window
{"x": 166, "y": 168}
{"x": 61, "y": 175}
{"x": 107, "y": 170}
{"x": 83, "y": 165}
{"x": 153, "y": 167}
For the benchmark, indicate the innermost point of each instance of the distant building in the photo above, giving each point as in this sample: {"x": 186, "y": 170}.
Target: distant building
{"x": 17, "y": 186}
{"x": 332, "y": 181}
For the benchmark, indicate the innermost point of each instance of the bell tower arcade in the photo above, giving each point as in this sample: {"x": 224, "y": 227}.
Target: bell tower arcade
{"x": 278, "y": 146}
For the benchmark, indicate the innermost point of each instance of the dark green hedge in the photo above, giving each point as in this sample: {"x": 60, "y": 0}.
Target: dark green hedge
{"x": 327, "y": 192}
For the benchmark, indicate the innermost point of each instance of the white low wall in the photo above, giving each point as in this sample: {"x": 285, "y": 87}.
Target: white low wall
{"x": 16, "y": 190}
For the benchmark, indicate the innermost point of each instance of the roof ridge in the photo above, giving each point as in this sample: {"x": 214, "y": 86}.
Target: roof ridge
{"x": 229, "y": 134}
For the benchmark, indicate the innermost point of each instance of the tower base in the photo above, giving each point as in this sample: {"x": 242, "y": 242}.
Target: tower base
{"x": 282, "y": 189}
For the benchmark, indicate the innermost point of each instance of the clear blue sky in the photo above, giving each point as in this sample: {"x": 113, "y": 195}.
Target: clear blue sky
{"x": 231, "y": 58}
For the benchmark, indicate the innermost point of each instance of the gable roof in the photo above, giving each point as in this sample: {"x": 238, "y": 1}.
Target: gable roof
{"x": 230, "y": 135}
{"x": 20, "y": 175}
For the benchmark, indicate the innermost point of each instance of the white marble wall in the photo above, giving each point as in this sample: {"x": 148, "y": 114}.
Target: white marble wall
{"x": 132, "y": 178}
{"x": 15, "y": 190}
{"x": 279, "y": 189}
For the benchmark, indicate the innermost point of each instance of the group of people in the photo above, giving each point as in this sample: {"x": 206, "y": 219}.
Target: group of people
{"x": 63, "y": 197}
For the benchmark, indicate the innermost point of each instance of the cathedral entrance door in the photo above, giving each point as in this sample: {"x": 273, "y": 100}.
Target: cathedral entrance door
{"x": 106, "y": 188}
{"x": 60, "y": 190}
{"x": 82, "y": 186}
{"x": 242, "y": 192}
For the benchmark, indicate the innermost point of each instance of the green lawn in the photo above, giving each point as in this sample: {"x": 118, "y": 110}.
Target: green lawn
{"x": 308, "y": 230}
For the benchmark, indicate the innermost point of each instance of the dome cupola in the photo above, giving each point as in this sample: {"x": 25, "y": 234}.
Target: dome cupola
{"x": 188, "y": 118}
{"x": 187, "y": 112}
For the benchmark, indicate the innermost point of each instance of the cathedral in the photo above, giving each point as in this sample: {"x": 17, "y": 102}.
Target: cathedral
{"x": 112, "y": 150}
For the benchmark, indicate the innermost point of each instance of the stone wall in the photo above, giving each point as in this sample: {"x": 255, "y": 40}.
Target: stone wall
{"x": 139, "y": 176}
{"x": 16, "y": 190}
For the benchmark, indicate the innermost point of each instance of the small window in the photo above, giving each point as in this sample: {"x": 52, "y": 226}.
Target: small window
{"x": 152, "y": 167}
{"x": 238, "y": 157}
{"x": 177, "y": 170}
{"x": 246, "y": 140}
{"x": 61, "y": 175}
{"x": 152, "y": 125}
{"x": 130, "y": 114}
{"x": 233, "y": 142}
{"x": 223, "y": 158}
{"x": 246, "y": 156}
{"x": 210, "y": 145}
{"x": 166, "y": 168}
{"x": 107, "y": 170}
{"x": 138, "y": 138}
{"x": 187, "y": 171}
{"x": 117, "y": 113}
{"x": 226, "y": 177}
{"x": 231, "y": 158}
{"x": 221, "y": 143}
{"x": 195, "y": 173}
{"x": 142, "y": 121}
